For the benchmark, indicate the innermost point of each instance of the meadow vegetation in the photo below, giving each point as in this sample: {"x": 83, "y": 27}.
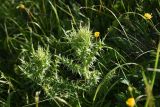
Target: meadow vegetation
{"x": 79, "y": 53}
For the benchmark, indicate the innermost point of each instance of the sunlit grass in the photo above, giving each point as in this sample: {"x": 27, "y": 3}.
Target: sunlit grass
{"x": 79, "y": 53}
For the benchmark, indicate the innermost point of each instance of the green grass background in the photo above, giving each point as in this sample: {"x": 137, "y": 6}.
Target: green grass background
{"x": 49, "y": 56}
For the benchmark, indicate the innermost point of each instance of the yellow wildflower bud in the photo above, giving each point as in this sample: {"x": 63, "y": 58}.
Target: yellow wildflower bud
{"x": 130, "y": 102}
{"x": 148, "y": 16}
{"x": 21, "y": 6}
{"x": 96, "y": 34}
{"x": 130, "y": 88}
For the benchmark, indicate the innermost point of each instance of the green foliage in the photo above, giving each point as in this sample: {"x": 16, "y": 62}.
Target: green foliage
{"x": 49, "y": 55}
{"x": 44, "y": 68}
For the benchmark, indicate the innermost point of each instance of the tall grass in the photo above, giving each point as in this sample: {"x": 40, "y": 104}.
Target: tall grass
{"x": 49, "y": 55}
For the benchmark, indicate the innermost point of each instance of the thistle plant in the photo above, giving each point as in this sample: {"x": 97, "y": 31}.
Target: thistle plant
{"x": 37, "y": 64}
{"x": 43, "y": 67}
{"x": 85, "y": 51}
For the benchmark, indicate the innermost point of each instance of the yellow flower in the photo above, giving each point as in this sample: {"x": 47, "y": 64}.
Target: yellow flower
{"x": 21, "y": 6}
{"x": 148, "y": 16}
{"x": 130, "y": 102}
{"x": 96, "y": 34}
